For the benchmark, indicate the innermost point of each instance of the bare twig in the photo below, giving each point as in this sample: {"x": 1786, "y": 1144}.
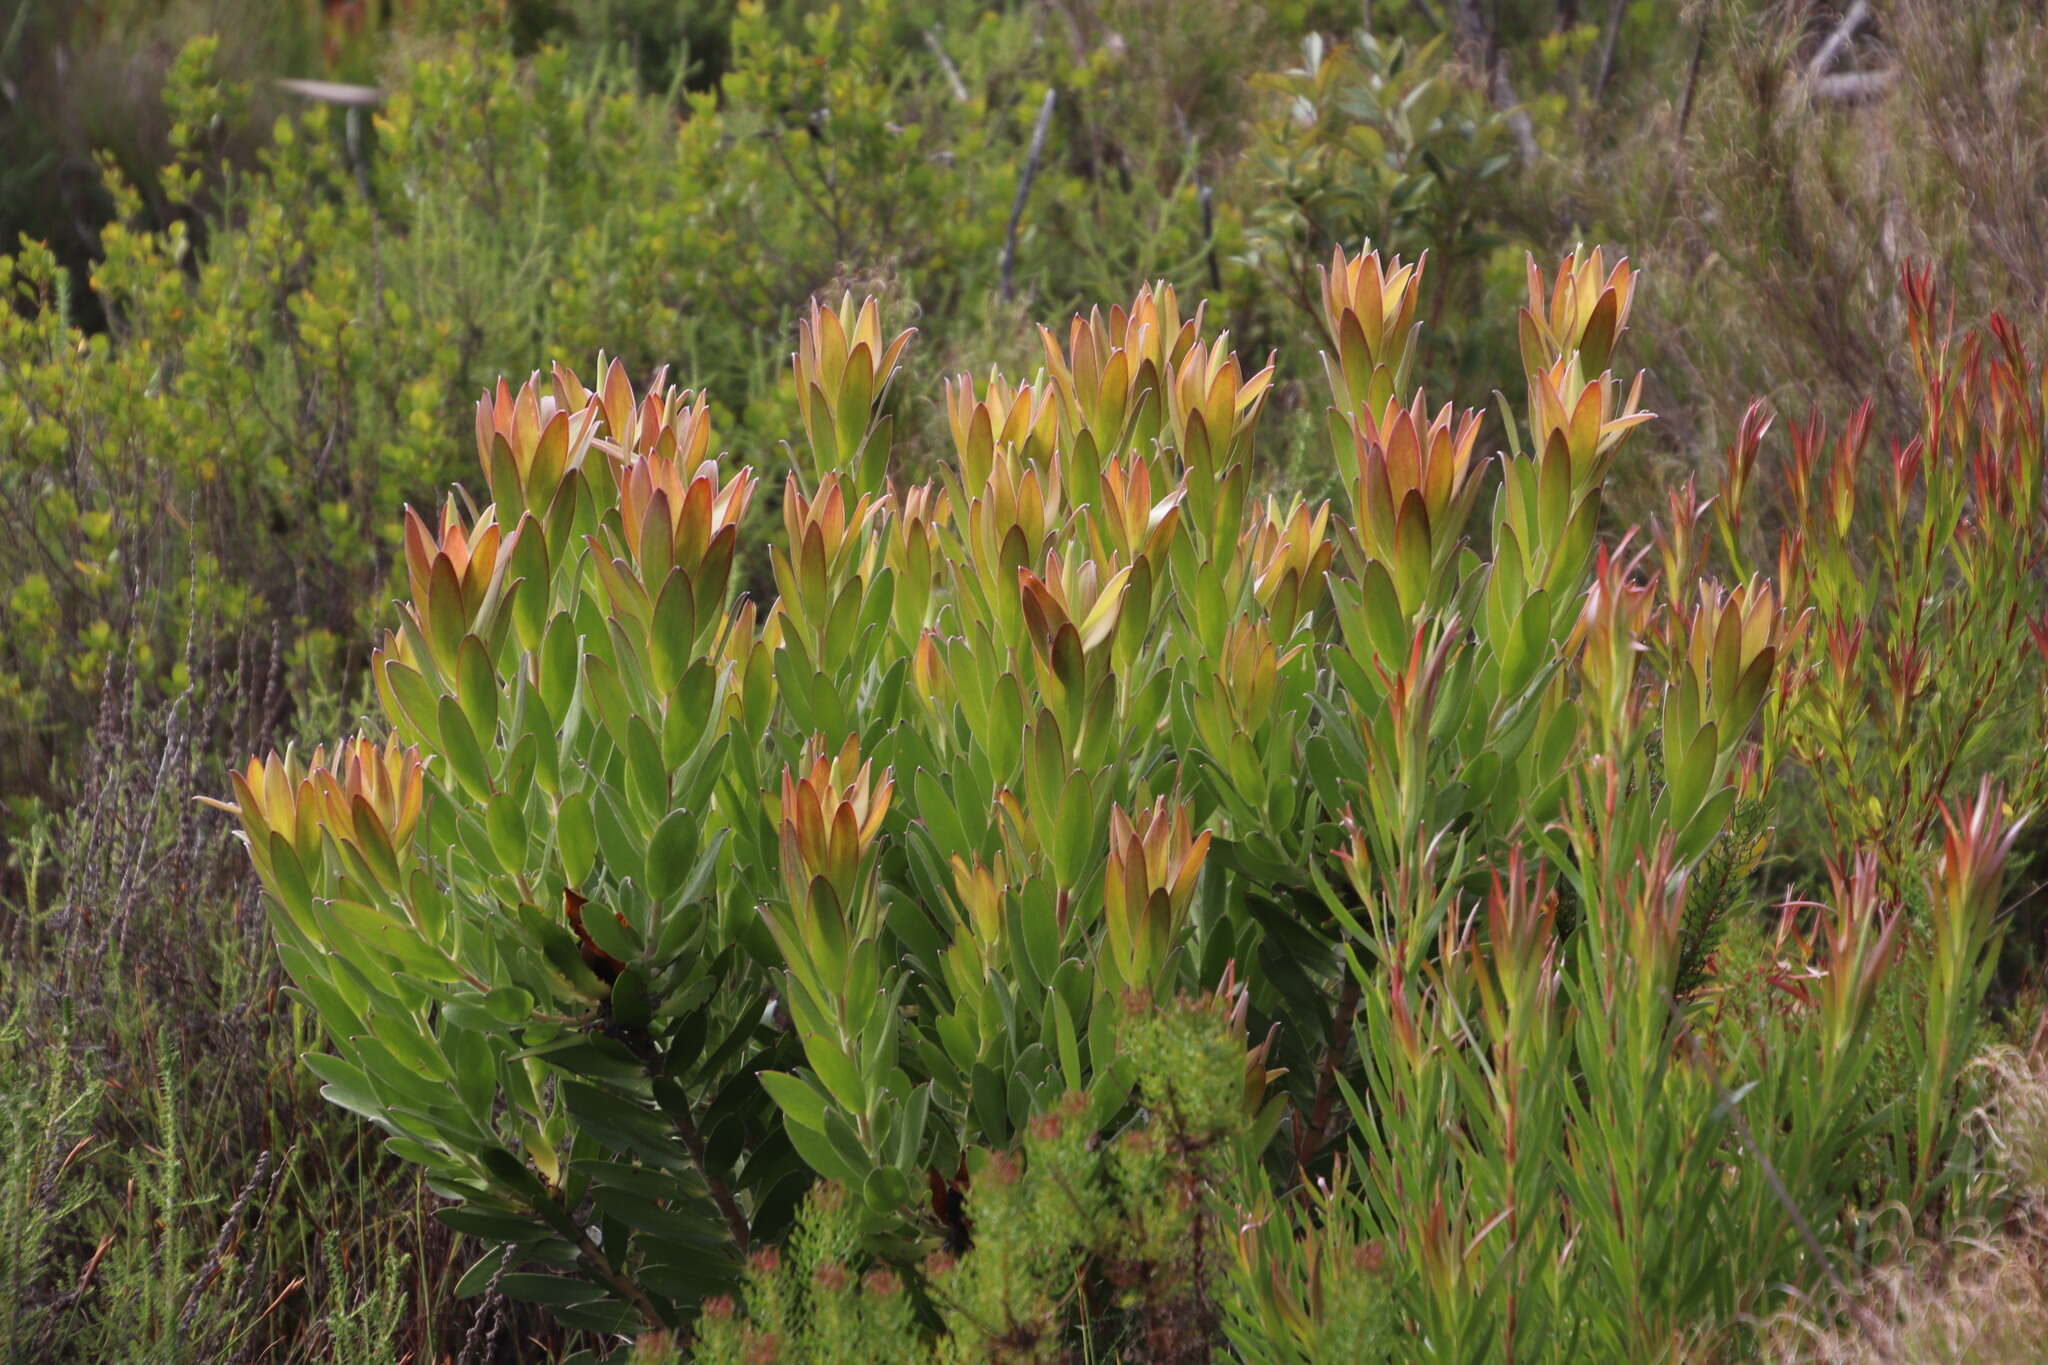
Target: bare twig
{"x": 1476, "y": 32}
{"x": 1024, "y": 192}
{"x": 332, "y": 92}
{"x": 1830, "y": 51}
{"x": 1823, "y": 82}
{"x": 1608, "y": 38}
{"x": 1692, "y": 81}
{"x": 952, "y": 72}
{"x": 1519, "y": 128}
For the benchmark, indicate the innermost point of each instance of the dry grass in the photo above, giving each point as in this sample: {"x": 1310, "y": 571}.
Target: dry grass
{"x": 1980, "y": 1300}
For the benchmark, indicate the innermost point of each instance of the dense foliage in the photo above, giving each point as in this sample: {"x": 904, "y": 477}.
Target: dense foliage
{"x": 1521, "y": 881}
{"x": 288, "y": 342}
{"x": 652, "y": 910}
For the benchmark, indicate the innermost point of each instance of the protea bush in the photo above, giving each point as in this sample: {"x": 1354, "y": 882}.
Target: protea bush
{"x": 1100, "y": 899}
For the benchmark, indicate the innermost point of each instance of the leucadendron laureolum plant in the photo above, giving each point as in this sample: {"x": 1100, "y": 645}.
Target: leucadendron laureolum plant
{"x": 663, "y": 927}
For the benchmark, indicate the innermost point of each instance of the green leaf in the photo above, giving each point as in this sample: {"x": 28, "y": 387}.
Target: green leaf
{"x": 549, "y": 1291}
{"x": 472, "y": 1058}
{"x": 576, "y": 837}
{"x": 417, "y": 703}
{"x": 608, "y": 697}
{"x": 840, "y": 1077}
{"x": 557, "y": 664}
{"x": 465, "y": 757}
{"x": 885, "y": 1191}
{"x": 477, "y": 687}
{"x": 492, "y": 1225}
{"x": 481, "y": 1276}
{"x": 1066, "y": 1043}
{"x": 824, "y": 1156}
{"x": 505, "y": 820}
{"x": 672, "y": 854}
{"x": 802, "y": 1102}
{"x": 345, "y": 1085}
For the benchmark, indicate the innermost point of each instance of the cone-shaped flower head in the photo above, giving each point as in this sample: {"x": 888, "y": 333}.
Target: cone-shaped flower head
{"x": 1581, "y": 312}
{"x": 1369, "y": 313}
{"x": 1290, "y": 552}
{"x": 1413, "y": 483}
{"x": 1021, "y": 417}
{"x": 362, "y": 793}
{"x": 528, "y": 441}
{"x": 832, "y": 807}
{"x": 1149, "y": 884}
{"x": 842, "y": 369}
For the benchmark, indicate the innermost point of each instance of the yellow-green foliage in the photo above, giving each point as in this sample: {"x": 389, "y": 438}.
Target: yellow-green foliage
{"x": 1014, "y": 873}
{"x": 655, "y": 901}
{"x": 288, "y": 342}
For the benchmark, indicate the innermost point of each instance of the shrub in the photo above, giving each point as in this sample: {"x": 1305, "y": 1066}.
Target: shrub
{"x": 1922, "y": 570}
{"x": 282, "y": 339}
{"x": 654, "y": 907}
{"x": 1383, "y": 139}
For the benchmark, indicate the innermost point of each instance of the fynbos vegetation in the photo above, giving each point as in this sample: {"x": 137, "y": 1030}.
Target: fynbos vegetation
{"x": 655, "y": 908}
{"x": 1290, "y": 820}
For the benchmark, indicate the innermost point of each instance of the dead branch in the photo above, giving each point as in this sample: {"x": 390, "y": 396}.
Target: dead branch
{"x": 1024, "y": 192}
